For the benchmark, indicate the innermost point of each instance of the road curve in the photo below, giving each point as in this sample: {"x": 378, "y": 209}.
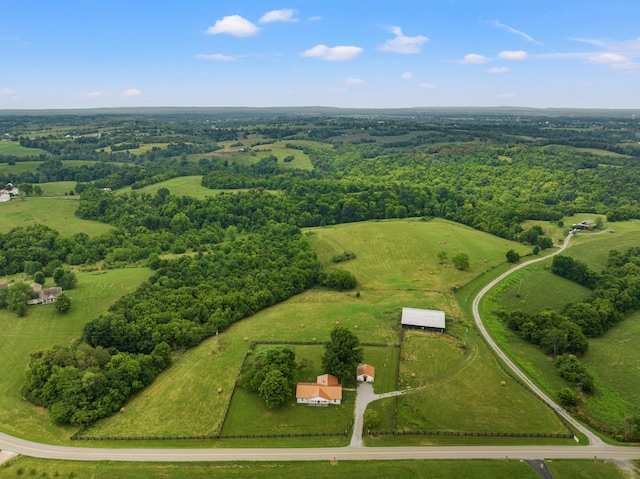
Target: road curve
{"x": 593, "y": 438}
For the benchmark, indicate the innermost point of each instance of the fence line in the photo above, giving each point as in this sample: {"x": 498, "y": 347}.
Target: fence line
{"x": 78, "y": 437}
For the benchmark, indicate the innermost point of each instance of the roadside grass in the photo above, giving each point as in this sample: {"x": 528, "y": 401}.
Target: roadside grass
{"x": 399, "y": 469}
{"x": 14, "y": 148}
{"x": 461, "y": 390}
{"x": 44, "y": 327}
{"x": 56, "y": 213}
{"x": 562, "y": 468}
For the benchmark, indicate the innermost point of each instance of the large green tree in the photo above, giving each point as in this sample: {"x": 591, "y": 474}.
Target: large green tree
{"x": 19, "y": 295}
{"x": 342, "y": 355}
{"x": 275, "y": 389}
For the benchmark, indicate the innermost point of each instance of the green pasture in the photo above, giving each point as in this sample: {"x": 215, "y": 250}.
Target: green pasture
{"x": 14, "y": 148}
{"x": 400, "y": 469}
{"x": 536, "y": 288}
{"x": 614, "y": 360}
{"x": 561, "y": 469}
{"x": 461, "y": 390}
{"x": 180, "y": 186}
{"x": 44, "y": 327}
{"x": 24, "y": 166}
{"x": 254, "y": 154}
{"x": 142, "y": 149}
{"x": 57, "y": 213}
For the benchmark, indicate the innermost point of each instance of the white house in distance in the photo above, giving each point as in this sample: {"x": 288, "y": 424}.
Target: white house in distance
{"x": 365, "y": 372}
{"x": 326, "y": 390}
{"x": 426, "y": 319}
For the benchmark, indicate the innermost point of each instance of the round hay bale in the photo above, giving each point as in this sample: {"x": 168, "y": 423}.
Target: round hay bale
{"x": 355, "y": 327}
{"x": 314, "y": 340}
{"x": 123, "y": 409}
{"x": 246, "y": 339}
{"x": 301, "y": 325}
{"x": 219, "y": 390}
{"x": 337, "y": 323}
{"x": 503, "y": 383}
{"x": 413, "y": 375}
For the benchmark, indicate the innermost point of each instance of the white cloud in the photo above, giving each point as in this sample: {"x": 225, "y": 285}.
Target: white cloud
{"x": 406, "y": 76}
{"x": 590, "y": 41}
{"x": 234, "y": 25}
{"x": 428, "y": 85}
{"x": 317, "y": 18}
{"x": 339, "y": 53}
{"x": 608, "y": 58}
{"x": 402, "y": 43}
{"x": 473, "y": 58}
{"x": 94, "y": 94}
{"x": 513, "y": 55}
{"x": 354, "y": 81}
{"x": 284, "y": 15}
{"x": 516, "y": 32}
{"x": 131, "y": 92}
{"x": 7, "y": 91}
{"x": 219, "y": 57}
{"x": 498, "y": 70}
{"x": 628, "y": 46}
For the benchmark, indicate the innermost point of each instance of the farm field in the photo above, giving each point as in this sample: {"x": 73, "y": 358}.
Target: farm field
{"x": 14, "y": 148}
{"x": 55, "y": 212}
{"x": 181, "y": 186}
{"x": 23, "y": 166}
{"x": 381, "y": 263}
{"x": 612, "y": 358}
{"x": 44, "y": 327}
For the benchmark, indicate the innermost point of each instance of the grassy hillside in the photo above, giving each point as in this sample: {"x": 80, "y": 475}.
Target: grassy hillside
{"x": 14, "y": 148}
{"x": 57, "y": 212}
{"x": 44, "y": 327}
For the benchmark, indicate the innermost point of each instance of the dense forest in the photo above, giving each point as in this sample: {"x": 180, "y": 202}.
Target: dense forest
{"x": 242, "y": 250}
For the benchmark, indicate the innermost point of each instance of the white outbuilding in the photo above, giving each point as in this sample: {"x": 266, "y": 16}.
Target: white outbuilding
{"x": 427, "y": 319}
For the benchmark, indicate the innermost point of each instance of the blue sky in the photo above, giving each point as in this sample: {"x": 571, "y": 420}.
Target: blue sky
{"x": 375, "y": 54}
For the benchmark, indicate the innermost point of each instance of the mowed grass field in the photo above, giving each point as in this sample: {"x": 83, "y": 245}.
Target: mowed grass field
{"x": 57, "y": 212}
{"x": 386, "y": 252}
{"x": 180, "y": 186}
{"x": 14, "y": 148}
{"x": 460, "y": 389}
{"x": 44, "y": 327}
{"x": 613, "y": 359}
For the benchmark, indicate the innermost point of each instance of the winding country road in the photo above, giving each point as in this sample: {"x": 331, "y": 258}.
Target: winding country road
{"x": 596, "y": 449}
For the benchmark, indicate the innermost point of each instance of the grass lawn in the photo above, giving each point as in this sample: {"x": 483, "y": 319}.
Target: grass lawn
{"x": 57, "y": 213}
{"x": 438, "y": 469}
{"x": 561, "y": 469}
{"x": 180, "y": 186}
{"x": 44, "y": 327}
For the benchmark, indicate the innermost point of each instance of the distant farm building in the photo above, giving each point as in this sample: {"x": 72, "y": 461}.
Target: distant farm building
{"x": 365, "y": 372}
{"x": 44, "y": 296}
{"x": 427, "y": 319}
{"x": 584, "y": 225}
{"x": 326, "y": 390}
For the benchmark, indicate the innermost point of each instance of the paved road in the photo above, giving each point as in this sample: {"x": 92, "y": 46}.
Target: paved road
{"x": 593, "y": 438}
{"x": 33, "y": 449}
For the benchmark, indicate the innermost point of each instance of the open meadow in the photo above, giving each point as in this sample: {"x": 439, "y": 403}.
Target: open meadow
{"x": 44, "y": 327}
{"x": 55, "y": 211}
{"x": 396, "y": 265}
{"x": 13, "y": 148}
{"x": 613, "y": 358}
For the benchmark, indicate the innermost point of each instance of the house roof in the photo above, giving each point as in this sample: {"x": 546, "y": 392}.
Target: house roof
{"x": 366, "y": 369}
{"x": 315, "y": 390}
{"x": 427, "y": 318}
{"x": 328, "y": 380}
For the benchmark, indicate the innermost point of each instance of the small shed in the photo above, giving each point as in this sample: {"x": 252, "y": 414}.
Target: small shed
{"x": 426, "y": 319}
{"x": 366, "y": 372}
